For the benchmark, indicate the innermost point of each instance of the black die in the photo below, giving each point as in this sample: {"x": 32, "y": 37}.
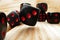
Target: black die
{"x": 13, "y": 19}
{"x": 29, "y": 15}
{"x": 3, "y": 25}
{"x": 42, "y": 6}
{"x": 42, "y": 17}
{"x": 53, "y": 18}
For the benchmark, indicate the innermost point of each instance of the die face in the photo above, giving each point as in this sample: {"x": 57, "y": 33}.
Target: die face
{"x": 13, "y": 19}
{"x": 42, "y": 17}
{"x": 29, "y": 15}
{"x": 42, "y": 6}
{"x": 53, "y": 18}
{"x": 24, "y": 4}
{"x": 3, "y": 25}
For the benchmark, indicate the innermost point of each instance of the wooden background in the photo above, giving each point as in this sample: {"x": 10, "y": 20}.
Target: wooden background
{"x": 10, "y": 5}
{"x": 53, "y": 5}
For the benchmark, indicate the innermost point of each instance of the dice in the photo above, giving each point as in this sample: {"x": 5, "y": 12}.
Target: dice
{"x": 53, "y": 17}
{"x": 3, "y": 25}
{"x": 13, "y": 19}
{"x": 42, "y": 17}
{"x": 28, "y": 15}
{"x": 24, "y": 5}
{"x": 42, "y": 6}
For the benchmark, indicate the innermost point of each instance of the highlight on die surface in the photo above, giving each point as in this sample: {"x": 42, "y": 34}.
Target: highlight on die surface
{"x": 24, "y": 5}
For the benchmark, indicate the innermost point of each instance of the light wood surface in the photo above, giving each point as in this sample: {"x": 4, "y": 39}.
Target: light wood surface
{"x": 10, "y": 5}
{"x": 41, "y": 31}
